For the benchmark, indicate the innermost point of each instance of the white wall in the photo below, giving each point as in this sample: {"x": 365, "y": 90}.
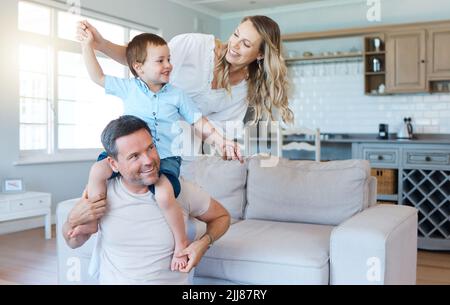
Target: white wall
{"x": 335, "y": 101}
{"x": 330, "y": 96}
{"x": 339, "y": 14}
{"x": 66, "y": 180}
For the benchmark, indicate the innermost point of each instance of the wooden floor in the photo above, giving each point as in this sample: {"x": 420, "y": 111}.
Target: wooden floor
{"x": 28, "y": 258}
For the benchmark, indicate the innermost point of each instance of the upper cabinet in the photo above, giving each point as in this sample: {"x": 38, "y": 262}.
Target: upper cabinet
{"x": 439, "y": 53}
{"x": 406, "y": 61}
{"x": 401, "y": 58}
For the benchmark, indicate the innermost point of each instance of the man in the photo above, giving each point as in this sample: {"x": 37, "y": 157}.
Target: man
{"x": 134, "y": 242}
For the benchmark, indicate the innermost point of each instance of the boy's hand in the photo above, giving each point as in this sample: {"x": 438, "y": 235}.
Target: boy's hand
{"x": 83, "y": 29}
{"x": 88, "y": 39}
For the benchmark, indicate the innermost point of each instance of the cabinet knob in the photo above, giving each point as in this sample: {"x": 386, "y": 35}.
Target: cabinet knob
{"x": 422, "y": 61}
{"x": 428, "y": 158}
{"x": 380, "y": 157}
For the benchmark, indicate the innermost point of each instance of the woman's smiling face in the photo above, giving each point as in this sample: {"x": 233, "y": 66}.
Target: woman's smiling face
{"x": 244, "y": 45}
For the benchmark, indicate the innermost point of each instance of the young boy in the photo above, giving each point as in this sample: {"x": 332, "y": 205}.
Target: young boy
{"x": 151, "y": 98}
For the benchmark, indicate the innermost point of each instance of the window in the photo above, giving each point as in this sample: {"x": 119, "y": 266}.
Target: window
{"x": 61, "y": 110}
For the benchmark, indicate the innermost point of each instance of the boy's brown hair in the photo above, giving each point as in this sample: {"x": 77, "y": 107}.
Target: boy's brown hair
{"x": 137, "y": 48}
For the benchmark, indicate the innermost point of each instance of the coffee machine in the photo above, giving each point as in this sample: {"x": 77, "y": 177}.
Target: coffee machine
{"x": 383, "y": 131}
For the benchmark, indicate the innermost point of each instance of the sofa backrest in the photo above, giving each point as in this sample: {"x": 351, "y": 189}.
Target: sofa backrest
{"x": 325, "y": 193}
{"x": 225, "y": 181}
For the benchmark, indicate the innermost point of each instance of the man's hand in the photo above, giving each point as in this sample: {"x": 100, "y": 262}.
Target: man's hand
{"x": 87, "y": 210}
{"x": 194, "y": 252}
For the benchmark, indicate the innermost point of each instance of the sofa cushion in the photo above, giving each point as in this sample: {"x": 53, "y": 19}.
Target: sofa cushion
{"x": 307, "y": 191}
{"x": 267, "y": 252}
{"x": 225, "y": 181}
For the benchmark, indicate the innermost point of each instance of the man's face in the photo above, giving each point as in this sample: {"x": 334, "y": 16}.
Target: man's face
{"x": 137, "y": 160}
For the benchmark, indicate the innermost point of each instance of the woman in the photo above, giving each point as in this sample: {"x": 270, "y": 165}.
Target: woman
{"x": 224, "y": 79}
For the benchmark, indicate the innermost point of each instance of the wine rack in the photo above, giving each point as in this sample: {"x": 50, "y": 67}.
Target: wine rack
{"x": 429, "y": 192}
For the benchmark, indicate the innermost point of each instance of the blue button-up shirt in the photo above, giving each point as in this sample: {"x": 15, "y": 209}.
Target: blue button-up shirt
{"x": 161, "y": 111}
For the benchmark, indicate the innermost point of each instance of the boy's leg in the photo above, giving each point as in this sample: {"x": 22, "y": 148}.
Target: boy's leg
{"x": 166, "y": 190}
{"x": 173, "y": 213}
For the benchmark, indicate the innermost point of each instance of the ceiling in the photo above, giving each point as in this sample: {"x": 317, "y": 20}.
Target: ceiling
{"x": 232, "y": 6}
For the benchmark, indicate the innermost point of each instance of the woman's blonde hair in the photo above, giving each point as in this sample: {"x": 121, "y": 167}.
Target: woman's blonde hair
{"x": 267, "y": 79}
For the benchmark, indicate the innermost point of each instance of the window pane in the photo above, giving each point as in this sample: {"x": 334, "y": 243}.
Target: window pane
{"x": 34, "y": 18}
{"x": 33, "y": 85}
{"x": 78, "y": 137}
{"x": 81, "y": 123}
{"x": 70, "y": 64}
{"x": 33, "y": 137}
{"x": 33, "y": 111}
{"x": 110, "y": 67}
{"x": 67, "y": 28}
{"x": 33, "y": 59}
{"x": 68, "y": 88}
{"x": 134, "y": 33}
{"x": 83, "y": 107}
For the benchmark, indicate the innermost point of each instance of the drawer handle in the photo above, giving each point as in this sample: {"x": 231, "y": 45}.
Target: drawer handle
{"x": 380, "y": 157}
{"x": 427, "y": 158}
{"x": 21, "y": 204}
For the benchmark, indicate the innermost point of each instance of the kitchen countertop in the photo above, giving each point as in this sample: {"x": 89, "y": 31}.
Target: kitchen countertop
{"x": 372, "y": 138}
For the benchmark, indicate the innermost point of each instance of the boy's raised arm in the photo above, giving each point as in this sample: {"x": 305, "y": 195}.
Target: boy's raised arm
{"x": 90, "y": 60}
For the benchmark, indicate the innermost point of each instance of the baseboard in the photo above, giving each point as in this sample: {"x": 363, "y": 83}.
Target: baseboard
{"x": 23, "y": 224}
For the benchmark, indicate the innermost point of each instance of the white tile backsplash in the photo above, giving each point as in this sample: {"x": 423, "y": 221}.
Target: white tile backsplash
{"x": 331, "y": 96}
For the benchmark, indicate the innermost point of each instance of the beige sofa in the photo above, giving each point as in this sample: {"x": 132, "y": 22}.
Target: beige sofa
{"x": 294, "y": 222}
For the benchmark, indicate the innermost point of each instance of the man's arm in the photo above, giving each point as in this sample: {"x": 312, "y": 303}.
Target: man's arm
{"x": 83, "y": 212}
{"x": 217, "y": 221}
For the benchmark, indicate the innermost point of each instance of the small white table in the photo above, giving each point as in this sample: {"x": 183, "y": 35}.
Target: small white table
{"x": 25, "y": 205}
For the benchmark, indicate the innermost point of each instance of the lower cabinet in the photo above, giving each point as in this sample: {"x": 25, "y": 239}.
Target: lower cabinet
{"x": 423, "y": 182}
{"x": 429, "y": 192}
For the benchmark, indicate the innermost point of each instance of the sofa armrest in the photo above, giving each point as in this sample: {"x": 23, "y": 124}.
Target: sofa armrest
{"x": 72, "y": 263}
{"x": 372, "y": 191}
{"x": 376, "y": 246}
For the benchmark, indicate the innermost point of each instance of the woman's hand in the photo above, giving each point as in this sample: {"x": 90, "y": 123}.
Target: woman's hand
{"x": 86, "y": 31}
{"x": 231, "y": 151}
{"x": 87, "y": 40}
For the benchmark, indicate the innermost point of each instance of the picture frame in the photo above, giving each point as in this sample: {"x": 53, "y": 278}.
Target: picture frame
{"x": 13, "y": 185}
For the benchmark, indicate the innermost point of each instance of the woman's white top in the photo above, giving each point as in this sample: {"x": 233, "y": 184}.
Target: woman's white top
{"x": 192, "y": 56}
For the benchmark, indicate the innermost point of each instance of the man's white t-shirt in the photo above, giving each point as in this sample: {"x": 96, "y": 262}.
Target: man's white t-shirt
{"x": 135, "y": 244}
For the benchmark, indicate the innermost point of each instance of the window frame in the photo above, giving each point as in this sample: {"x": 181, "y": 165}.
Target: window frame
{"x": 55, "y": 44}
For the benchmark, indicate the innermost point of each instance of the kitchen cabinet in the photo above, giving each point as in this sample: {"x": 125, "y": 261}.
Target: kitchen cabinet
{"x": 438, "y": 53}
{"x": 406, "y": 61}
{"x": 423, "y": 182}
{"x": 374, "y": 77}
{"x": 412, "y": 58}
